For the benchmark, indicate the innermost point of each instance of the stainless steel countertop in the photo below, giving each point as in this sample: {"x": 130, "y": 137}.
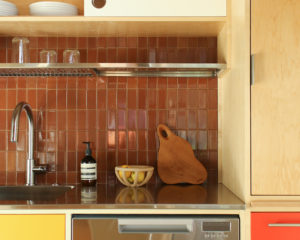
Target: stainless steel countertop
{"x": 215, "y": 196}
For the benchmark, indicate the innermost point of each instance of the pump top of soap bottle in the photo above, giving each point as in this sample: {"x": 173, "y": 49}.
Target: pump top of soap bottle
{"x": 88, "y": 151}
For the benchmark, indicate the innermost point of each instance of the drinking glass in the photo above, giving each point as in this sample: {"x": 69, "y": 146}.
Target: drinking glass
{"x": 20, "y": 50}
{"x": 48, "y": 56}
{"x": 71, "y": 56}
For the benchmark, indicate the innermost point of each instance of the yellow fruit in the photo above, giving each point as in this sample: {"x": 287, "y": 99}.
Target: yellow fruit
{"x": 127, "y": 173}
{"x": 140, "y": 176}
{"x": 130, "y": 179}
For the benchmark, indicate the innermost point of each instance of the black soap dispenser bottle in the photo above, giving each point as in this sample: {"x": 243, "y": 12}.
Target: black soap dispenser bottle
{"x": 88, "y": 168}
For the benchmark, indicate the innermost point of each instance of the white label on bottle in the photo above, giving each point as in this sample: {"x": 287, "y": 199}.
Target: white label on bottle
{"x": 88, "y": 171}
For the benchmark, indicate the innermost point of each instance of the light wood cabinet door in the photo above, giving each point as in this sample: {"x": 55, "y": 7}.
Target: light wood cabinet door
{"x": 32, "y": 227}
{"x": 275, "y": 97}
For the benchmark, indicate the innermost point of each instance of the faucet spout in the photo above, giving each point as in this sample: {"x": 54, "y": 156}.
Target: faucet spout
{"x": 15, "y": 132}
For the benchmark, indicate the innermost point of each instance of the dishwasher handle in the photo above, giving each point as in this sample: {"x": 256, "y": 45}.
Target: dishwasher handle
{"x": 154, "y": 225}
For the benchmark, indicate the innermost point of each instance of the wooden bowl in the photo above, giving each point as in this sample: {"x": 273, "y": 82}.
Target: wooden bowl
{"x": 133, "y": 175}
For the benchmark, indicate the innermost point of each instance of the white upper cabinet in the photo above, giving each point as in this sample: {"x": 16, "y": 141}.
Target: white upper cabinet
{"x": 153, "y": 8}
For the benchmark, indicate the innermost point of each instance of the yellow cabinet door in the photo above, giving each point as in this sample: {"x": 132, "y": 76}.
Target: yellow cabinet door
{"x": 32, "y": 227}
{"x": 275, "y": 97}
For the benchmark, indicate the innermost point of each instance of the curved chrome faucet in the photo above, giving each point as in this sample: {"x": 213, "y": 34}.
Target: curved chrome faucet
{"x": 30, "y": 165}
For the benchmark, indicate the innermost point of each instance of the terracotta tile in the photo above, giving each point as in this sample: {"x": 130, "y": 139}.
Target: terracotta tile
{"x": 11, "y": 178}
{"x": 71, "y": 140}
{"x": 162, "y": 55}
{"x": 101, "y": 99}
{"x": 142, "y": 119}
{"x": 132, "y": 141}
{"x": 101, "y": 120}
{"x": 31, "y": 98}
{"x": 192, "y": 42}
{"x": 132, "y": 42}
{"x": 193, "y": 119}
{"x": 101, "y": 42}
{"x": 212, "y": 119}
{"x": 162, "y": 116}
{"x": 3, "y": 56}
{"x": 91, "y": 99}
{"x": 3, "y": 82}
{"x": 72, "y": 119}
{"x": 192, "y": 139}
{"x": 142, "y": 98}
{"x": 61, "y": 141}
{"x": 111, "y": 42}
{"x": 71, "y": 177}
{"x": 61, "y": 99}
{"x": 21, "y": 95}
{"x": 172, "y": 82}
{"x": 102, "y": 55}
{"x": 91, "y": 119}
{"x": 182, "y": 83}
{"x": 172, "y": 98}
{"x": 3, "y": 120}
{"x": 92, "y": 55}
{"x": 202, "y": 118}
{"x": 61, "y": 178}
{"x": 42, "y": 42}
{"x": 111, "y": 55}
{"x": 212, "y": 99}
{"x": 151, "y": 140}
{"x": 162, "y": 42}
{"x": 132, "y": 121}
{"x": 51, "y": 99}
{"x": 11, "y": 161}
{"x": 81, "y": 119}
{"x": 122, "y": 42}
{"x": 122, "y": 140}
{"x": 142, "y": 140}
{"x": 151, "y": 98}
{"x": 152, "y": 42}
{"x": 41, "y": 99}
{"x": 182, "y": 42}
{"x": 182, "y": 119}
{"x": 122, "y": 55}
{"x": 62, "y": 120}
{"x": 101, "y": 140}
{"x": 212, "y": 83}
{"x": 21, "y": 82}
{"x": 111, "y": 161}
{"x": 132, "y": 157}
{"x": 152, "y": 119}
{"x": 202, "y": 140}
{"x": 121, "y": 98}
{"x": 172, "y": 118}
{"x": 142, "y": 56}
{"x": 122, "y": 158}
{"x": 21, "y": 161}
{"x": 3, "y": 97}
{"x": 132, "y": 103}
{"x": 213, "y": 140}
{"x": 12, "y": 82}
{"x": 82, "y": 42}
{"x": 81, "y": 99}
{"x": 51, "y": 141}
{"x": 142, "y": 158}
{"x": 111, "y": 120}
{"x": 142, "y": 82}
{"x": 52, "y": 42}
{"x": 51, "y": 120}
{"x": 111, "y": 139}
{"x": 182, "y": 98}
{"x": 72, "y": 42}
{"x": 112, "y": 99}
{"x": 202, "y": 99}
{"x": 122, "y": 119}
{"x": 132, "y": 55}
{"x": 162, "y": 99}
{"x": 62, "y": 43}
{"x": 11, "y": 99}
{"x": 2, "y": 142}
{"x": 21, "y": 178}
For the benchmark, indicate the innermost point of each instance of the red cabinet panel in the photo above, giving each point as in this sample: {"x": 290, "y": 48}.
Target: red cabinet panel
{"x": 286, "y": 226}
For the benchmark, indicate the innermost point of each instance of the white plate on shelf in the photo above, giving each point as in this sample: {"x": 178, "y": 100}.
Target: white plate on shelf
{"x": 52, "y": 9}
{"x": 8, "y": 9}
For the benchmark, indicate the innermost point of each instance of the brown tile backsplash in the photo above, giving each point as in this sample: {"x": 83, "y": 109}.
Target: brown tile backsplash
{"x": 118, "y": 115}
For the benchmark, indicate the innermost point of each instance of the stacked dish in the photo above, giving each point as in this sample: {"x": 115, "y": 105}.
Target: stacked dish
{"x": 52, "y": 9}
{"x": 8, "y": 9}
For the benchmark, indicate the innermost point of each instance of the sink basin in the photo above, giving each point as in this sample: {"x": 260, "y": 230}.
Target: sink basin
{"x": 35, "y": 193}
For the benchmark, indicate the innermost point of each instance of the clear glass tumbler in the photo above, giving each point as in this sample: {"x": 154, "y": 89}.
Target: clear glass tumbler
{"x": 71, "y": 56}
{"x": 48, "y": 56}
{"x": 20, "y": 50}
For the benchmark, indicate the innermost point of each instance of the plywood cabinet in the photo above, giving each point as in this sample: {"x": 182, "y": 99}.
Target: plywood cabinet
{"x": 275, "y": 97}
{"x": 32, "y": 227}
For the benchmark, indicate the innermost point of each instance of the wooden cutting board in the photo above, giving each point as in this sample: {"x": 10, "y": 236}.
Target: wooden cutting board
{"x": 176, "y": 160}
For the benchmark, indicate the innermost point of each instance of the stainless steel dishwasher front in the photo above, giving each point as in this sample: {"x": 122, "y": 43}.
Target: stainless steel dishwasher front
{"x": 155, "y": 227}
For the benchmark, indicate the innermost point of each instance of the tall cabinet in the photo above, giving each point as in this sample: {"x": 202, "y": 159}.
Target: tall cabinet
{"x": 275, "y": 97}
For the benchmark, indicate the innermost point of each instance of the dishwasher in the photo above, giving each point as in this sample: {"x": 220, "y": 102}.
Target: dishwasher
{"x": 155, "y": 227}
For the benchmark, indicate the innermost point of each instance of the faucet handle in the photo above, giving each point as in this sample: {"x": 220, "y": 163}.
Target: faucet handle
{"x": 42, "y": 168}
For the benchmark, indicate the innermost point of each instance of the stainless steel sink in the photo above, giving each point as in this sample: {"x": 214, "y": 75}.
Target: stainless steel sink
{"x": 35, "y": 193}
